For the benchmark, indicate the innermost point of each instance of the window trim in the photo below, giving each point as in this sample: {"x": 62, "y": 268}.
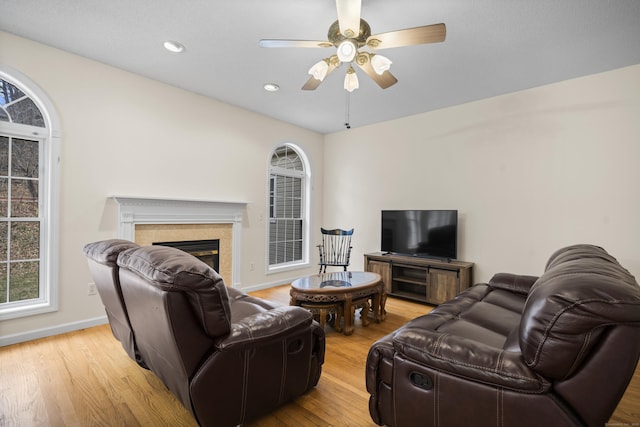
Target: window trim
{"x": 306, "y": 210}
{"x": 50, "y": 136}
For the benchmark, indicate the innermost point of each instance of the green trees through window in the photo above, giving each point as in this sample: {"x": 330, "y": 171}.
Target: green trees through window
{"x": 16, "y": 107}
{"x": 20, "y": 210}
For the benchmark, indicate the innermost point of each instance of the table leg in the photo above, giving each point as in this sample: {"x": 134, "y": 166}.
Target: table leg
{"x": 293, "y": 300}
{"x": 348, "y": 315}
{"x": 383, "y": 303}
{"x": 379, "y": 300}
{"x": 376, "y": 300}
{"x": 339, "y": 316}
{"x": 364, "y": 313}
{"x": 322, "y": 317}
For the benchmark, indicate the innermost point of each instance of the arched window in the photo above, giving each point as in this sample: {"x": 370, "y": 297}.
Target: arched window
{"x": 288, "y": 211}
{"x": 29, "y": 157}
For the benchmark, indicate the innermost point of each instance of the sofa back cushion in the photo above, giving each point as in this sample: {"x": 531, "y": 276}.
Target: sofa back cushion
{"x": 172, "y": 270}
{"x": 583, "y": 292}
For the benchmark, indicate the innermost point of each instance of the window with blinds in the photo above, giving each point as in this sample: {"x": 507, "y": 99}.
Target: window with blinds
{"x": 286, "y": 207}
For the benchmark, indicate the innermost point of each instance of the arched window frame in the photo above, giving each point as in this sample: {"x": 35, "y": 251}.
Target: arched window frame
{"x": 305, "y": 176}
{"x": 49, "y": 136}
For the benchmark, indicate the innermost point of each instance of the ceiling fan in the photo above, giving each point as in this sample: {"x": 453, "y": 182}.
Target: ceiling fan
{"x": 351, "y": 35}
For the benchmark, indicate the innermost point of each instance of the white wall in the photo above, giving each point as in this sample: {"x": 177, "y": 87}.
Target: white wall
{"x": 126, "y": 135}
{"x": 529, "y": 172}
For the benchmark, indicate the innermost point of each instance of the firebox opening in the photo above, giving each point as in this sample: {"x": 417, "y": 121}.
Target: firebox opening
{"x": 207, "y": 251}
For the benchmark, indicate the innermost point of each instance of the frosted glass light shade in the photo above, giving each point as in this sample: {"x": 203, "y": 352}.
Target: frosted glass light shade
{"x": 351, "y": 80}
{"x": 319, "y": 70}
{"x": 346, "y": 51}
{"x": 380, "y": 63}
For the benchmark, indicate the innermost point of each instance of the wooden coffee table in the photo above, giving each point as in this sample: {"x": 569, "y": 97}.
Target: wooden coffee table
{"x": 341, "y": 293}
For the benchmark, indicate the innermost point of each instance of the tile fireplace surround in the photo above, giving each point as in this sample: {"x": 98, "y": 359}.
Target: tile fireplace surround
{"x": 145, "y": 220}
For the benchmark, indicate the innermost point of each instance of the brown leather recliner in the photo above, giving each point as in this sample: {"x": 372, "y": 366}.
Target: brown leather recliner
{"x": 554, "y": 350}
{"x": 102, "y": 257}
{"x": 227, "y": 356}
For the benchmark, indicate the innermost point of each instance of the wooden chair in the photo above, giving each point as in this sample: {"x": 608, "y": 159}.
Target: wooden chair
{"x": 335, "y": 248}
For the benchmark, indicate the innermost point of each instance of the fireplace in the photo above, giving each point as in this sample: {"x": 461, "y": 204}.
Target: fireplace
{"x": 207, "y": 251}
{"x": 148, "y": 220}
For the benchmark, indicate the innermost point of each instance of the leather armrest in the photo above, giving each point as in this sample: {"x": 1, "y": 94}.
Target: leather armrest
{"x": 381, "y": 351}
{"x": 265, "y": 326}
{"x": 469, "y": 359}
{"x": 513, "y": 282}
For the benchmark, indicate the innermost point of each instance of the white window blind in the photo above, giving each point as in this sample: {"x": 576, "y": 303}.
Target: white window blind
{"x": 286, "y": 207}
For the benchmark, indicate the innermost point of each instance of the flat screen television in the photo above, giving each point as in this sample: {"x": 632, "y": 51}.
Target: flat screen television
{"x": 423, "y": 233}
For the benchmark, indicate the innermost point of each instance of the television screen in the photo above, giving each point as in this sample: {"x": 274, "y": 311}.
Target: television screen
{"x": 425, "y": 233}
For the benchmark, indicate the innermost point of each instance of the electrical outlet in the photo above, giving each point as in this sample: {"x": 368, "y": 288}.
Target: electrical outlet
{"x": 92, "y": 289}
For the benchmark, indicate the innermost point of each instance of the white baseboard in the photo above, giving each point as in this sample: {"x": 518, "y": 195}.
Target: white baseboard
{"x": 54, "y": 330}
{"x": 83, "y": 324}
{"x": 261, "y": 286}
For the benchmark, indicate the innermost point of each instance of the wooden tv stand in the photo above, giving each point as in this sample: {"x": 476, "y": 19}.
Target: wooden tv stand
{"x": 420, "y": 279}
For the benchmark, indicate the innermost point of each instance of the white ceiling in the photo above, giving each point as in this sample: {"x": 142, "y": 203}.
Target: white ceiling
{"x": 492, "y": 47}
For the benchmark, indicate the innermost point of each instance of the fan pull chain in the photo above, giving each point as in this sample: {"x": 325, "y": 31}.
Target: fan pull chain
{"x": 347, "y": 112}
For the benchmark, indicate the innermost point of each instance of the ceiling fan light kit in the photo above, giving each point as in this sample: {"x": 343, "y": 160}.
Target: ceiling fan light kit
{"x": 347, "y": 51}
{"x": 351, "y": 82}
{"x": 320, "y": 69}
{"x": 350, "y": 35}
{"x": 380, "y": 63}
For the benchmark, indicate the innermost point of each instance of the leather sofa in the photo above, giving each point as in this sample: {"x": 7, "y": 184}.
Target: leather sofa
{"x": 227, "y": 356}
{"x": 554, "y": 350}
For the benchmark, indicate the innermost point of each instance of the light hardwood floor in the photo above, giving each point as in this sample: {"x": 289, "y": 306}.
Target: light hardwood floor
{"x": 85, "y": 378}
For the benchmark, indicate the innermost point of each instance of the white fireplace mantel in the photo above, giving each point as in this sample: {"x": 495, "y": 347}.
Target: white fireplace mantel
{"x": 145, "y": 210}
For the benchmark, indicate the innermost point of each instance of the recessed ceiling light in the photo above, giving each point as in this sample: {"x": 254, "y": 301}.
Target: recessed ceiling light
{"x": 173, "y": 46}
{"x": 271, "y": 87}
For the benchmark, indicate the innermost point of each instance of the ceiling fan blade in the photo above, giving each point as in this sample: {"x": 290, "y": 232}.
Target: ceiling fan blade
{"x": 384, "y": 80}
{"x": 411, "y": 36}
{"x": 293, "y": 43}
{"x": 349, "y": 17}
{"x": 313, "y": 83}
